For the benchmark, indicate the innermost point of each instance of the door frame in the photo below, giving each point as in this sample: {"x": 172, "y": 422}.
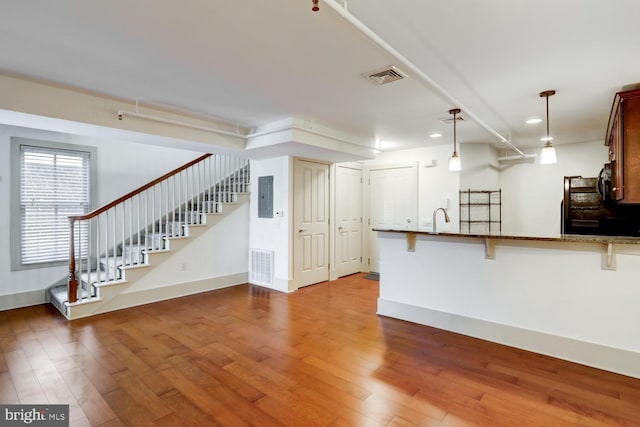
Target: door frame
{"x": 366, "y": 204}
{"x": 292, "y": 230}
{"x": 333, "y": 182}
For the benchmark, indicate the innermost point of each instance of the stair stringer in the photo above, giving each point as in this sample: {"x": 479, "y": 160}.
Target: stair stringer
{"x": 211, "y": 256}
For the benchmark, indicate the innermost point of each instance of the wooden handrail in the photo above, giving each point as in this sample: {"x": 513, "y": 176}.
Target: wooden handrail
{"x": 72, "y": 281}
{"x": 137, "y": 191}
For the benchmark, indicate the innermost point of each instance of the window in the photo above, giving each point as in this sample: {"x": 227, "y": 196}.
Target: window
{"x": 53, "y": 183}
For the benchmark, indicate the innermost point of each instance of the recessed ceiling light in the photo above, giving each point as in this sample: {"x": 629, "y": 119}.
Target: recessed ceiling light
{"x": 533, "y": 121}
{"x": 546, "y": 138}
{"x": 435, "y": 135}
{"x": 385, "y": 144}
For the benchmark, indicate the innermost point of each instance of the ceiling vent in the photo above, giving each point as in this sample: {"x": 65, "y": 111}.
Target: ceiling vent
{"x": 386, "y": 75}
{"x": 449, "y": 120}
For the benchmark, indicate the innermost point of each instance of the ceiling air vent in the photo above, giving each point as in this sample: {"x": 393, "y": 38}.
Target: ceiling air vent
{"x": 386, "y": 75}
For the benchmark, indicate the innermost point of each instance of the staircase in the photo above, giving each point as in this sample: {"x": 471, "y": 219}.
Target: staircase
{"x": 114, "y": 245}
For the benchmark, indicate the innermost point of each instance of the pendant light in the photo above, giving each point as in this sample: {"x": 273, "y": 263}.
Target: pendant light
{"x": 548, "y": 155}
{"x": 454, "y": 160}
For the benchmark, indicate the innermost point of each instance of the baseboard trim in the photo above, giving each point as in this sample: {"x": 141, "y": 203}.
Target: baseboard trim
{"x": 23, "y": 299}
{"x": 279, "y": 284}
{"x": 596, "y": 355}
{"x": 149, "y": 296}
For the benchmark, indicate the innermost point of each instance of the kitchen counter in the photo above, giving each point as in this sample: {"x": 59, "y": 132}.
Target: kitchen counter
{"x": 577, "y": 238}
{"x": 575, "y": 297}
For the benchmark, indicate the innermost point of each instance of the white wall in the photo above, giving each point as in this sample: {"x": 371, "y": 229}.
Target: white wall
{"x": 435, "y": 183}
{"x": 532, "y": 193}
{"x": 122, "y": 167}
{"x": 549, "y": 297}
{"x": 479, "y": 167}
{"x": 220, "y": 249}
{"x": 274, "y": 233}
{"x": 37, "y": 104}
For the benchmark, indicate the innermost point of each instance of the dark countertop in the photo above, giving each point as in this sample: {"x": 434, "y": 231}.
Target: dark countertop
{"x": 577, "y": 238}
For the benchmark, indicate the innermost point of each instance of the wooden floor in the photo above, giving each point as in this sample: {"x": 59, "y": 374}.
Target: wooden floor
{"x": 319, "y": 356}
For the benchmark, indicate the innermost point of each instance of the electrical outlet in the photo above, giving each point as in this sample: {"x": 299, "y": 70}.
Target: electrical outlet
{"x": 183, "y": 266}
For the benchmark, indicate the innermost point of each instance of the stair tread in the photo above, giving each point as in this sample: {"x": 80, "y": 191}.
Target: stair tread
{"x": 111, "y": 261}
{"x": 134, "y": 266}
{"x": 60, "y": 294}
{"x": 84, "y": 301}
{"x": 161, "y": 251}
{"x": 110, "y": 283}
{"x": 171, "y": 225}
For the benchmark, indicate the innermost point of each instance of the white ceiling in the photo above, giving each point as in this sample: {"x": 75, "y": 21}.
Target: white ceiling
{"x": 255, "y": 62}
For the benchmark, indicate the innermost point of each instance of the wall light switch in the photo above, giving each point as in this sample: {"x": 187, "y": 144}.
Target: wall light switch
{"x": 444, "y": 202}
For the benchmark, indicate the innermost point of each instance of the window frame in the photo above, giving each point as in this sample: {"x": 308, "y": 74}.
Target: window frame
{"x": 15, "y": 220}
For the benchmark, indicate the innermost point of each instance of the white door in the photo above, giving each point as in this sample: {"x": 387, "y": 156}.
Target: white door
{"x": 348, "y": 227}
{"x": 311, "y": 223}
{"x": 393, "y": 203}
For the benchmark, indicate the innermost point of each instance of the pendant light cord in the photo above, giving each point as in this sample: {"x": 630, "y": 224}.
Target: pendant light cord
{"x": 454, "y": 111}
{"x": 455, "y": 150}
{"x": 548, "y": 140}
{"x": 547, "y": 94}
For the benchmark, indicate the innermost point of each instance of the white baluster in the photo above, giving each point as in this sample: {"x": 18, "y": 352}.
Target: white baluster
{"x": 115, "y": 241}
{"x": 98, "y": 275}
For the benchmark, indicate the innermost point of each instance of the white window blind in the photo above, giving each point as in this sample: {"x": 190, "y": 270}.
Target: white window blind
{"x": 54, "y": 184}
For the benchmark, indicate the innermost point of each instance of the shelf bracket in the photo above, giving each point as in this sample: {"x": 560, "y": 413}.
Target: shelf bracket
{"x": 609, "y": 256}
{"x": 489, "y": 248}
{"x": 411, "y": 242}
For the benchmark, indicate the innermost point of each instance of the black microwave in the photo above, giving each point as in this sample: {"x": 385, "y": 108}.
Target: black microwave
{"x": 604, "y": 184}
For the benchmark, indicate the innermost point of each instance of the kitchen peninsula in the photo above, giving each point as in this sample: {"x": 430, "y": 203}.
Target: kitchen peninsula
{"x": 574, "y": 297}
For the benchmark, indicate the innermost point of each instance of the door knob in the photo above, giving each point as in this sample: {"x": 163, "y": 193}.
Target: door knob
{"x": 301, "y": 230}
{"x": 339, "y": 228}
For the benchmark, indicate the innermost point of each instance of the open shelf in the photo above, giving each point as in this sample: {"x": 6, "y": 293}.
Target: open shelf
{"x": 480, "y": 211}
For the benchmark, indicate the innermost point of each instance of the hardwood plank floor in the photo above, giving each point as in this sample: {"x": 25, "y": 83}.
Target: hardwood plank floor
{"x": 321, "y": 356}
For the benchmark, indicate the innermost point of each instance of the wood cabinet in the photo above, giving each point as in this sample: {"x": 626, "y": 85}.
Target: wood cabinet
{"x": 623, "y": 139}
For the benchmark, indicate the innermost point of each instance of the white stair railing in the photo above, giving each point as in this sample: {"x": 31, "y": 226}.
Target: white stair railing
{"x": 123, "y": 232}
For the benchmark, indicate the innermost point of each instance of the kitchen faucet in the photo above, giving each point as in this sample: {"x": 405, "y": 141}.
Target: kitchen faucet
{"x": 446, "y": 217}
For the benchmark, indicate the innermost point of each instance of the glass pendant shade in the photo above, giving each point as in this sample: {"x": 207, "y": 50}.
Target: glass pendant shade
{"x": 548, "y": 155}
{"x": 454, "y": 163}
